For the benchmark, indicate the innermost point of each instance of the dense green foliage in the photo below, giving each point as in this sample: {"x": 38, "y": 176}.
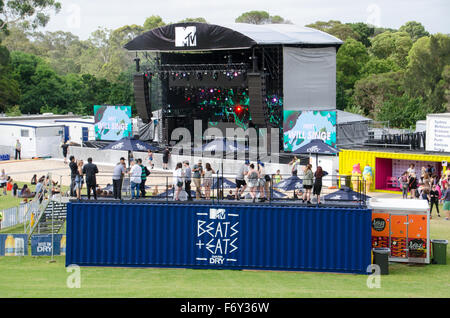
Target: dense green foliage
{"x": 378, "y": 69}
{"x": 391, "y": 75}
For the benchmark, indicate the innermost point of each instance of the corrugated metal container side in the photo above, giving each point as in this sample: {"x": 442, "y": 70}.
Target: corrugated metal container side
{"x": 219, "y": 236}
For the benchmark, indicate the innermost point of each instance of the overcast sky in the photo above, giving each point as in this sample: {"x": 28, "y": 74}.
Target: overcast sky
{"x": 82, "y": 17}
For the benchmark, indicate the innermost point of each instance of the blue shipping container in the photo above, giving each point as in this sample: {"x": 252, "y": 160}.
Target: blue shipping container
{"x": 219, "y": 236}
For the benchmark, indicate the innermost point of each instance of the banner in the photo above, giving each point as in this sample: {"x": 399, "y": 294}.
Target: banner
{"x": 301, "y": 127}
{"x": 13, "y": 244}
{"x": 112, "y": 123}
{"x": 41, "y": 244}
{"x": 217, "y": 237}
{"x": 438, "y": 133}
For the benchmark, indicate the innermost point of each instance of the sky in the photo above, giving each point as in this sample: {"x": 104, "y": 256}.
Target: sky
{"x": 82, "y": 17}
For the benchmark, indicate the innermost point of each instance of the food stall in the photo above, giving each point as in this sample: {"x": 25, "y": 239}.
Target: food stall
{"x": 404, "y": 227}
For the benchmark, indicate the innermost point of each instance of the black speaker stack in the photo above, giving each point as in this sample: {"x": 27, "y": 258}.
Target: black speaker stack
{"x": 142, "y": 98}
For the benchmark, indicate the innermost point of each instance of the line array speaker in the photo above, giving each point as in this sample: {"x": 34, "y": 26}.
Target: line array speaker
{"x": 257, "y": 94}
{"x": 141, "y": 97}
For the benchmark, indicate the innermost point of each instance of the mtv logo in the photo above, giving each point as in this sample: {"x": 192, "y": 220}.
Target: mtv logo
{"x": 217, "y": 214}
{"x": 186, "y": 36}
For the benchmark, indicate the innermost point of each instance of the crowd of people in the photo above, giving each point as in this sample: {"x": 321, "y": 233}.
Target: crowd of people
{"x": 428, "y": 186}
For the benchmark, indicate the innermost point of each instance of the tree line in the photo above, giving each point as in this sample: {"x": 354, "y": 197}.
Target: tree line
{"x": 389, "y": 75}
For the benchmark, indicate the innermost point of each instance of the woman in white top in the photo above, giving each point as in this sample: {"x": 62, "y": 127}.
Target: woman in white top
{"x": 208, "y": 180}
{"x": 261, "y": 181}
{"x": 178, "y": 181}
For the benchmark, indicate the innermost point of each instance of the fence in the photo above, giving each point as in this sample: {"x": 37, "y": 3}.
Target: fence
{"x": 222, "y": 187}
{"x": 14, "y": 216}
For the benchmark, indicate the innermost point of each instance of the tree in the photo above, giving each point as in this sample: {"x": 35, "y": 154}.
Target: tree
{"x": 402, "y": 112}
{"x": 445, "y": 83}
{"x": 350, "y": 60}
{"x": 31, "y": 14}
{"x": 378, "y": 66}
{"x": 155, "y": 21}
{"x": 364, "y": 31}
{"x": 276, "y": 19}
{"x": 395, "y": 46}
{"x": 371, "y": 92}
{"x": 187, "y": 20}
{"x": 9, "y": 88}
{"x": 335, "y": 28}
{"x": 254, "y": 17}
{"x": 428, "y": 59}
{"x": 415, "y": 30}
{"x": 18, "y": 39}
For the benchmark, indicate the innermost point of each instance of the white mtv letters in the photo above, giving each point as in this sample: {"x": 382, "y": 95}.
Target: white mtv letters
{"x": 186, "y": 36}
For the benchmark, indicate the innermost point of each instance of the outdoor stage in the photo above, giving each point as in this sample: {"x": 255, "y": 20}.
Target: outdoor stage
{"x": 221, "y": 235}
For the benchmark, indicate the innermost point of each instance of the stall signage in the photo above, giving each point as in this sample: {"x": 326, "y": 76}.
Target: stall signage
{"x": 378, "y": 224}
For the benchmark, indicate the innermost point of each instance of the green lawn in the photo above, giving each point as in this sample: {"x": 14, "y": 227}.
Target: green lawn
{"x": 36, "y": 277}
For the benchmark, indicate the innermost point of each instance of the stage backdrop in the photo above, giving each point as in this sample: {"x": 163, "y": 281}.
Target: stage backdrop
{"x": 300, "y": 127}
{"x": 309, "y": 78}
{"x": 112, "y": 122}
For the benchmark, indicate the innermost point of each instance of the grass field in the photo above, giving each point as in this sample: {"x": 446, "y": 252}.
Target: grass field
{"x": 36, "y": 277}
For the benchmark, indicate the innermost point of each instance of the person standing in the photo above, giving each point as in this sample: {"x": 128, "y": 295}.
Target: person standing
{"x": 166, "y": 155}
{"x": 403, "y": 179}
{"x": 39, "y": 189}
{"x": 78, "y": 180}
{"x": 178, "y": 181}
{"x": 318, "y": 175}
{"x": 446, "y": 199}
{"x": 411, "y": 169}
{"x": 187, "y": 179}
{"x": 90, "y": 170}
{"x": 412, "y": 185}
{"x": 73, "y": 172}
{"x": 434, "y": 200}
{"x": 18, "y": 149}
{"x": 3, "y": 180}
{"x": 294, "y": 162}
{"x": 240, "y": 179}
{"x": 261, "y": 182}
{"x": 65, "y": 147}
{"x": 307, "y": 183}
{"x": 277, "y": 178}
{"x": 130, "y": 158}
{"x": 253, "y": 177}
{"x": 135, "y": 179}
{"x": 197, "y": 177}
{"x": 144, "y": 175}
{"x": 118, "y": 173}
{"x": 150, "y": 159}
{"x": 208, "y": 180}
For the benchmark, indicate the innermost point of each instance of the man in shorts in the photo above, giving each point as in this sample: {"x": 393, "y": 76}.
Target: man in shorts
{"x": 197, "y": 177}
{"x": 240, "y": 179}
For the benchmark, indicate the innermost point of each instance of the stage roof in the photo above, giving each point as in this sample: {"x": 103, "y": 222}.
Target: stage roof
{"x": 204, "y": 37}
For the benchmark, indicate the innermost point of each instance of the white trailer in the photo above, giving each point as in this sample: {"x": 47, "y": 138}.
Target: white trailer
{"x": 38, "y": 139}
{"x": 78, "y": 130}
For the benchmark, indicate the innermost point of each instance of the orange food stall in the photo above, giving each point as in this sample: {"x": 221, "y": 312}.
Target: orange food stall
{"x": 404, "y": 227}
